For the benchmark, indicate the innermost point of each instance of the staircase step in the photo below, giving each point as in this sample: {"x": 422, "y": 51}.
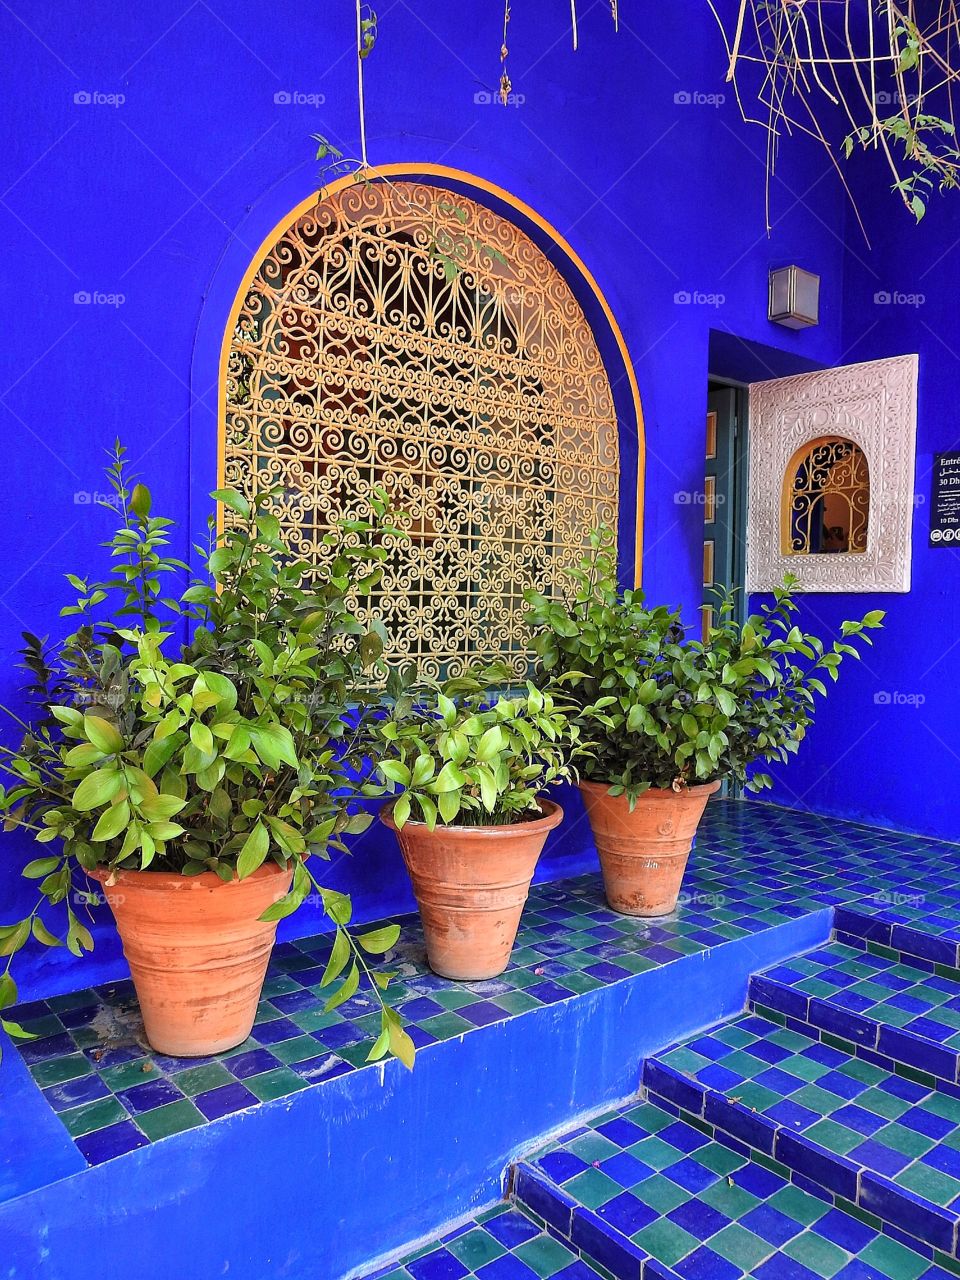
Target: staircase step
{"x": 502, "y": 1243}
{"x": 868, "y": 1135}
{"x": 925, "y": 929}
{"x": 894, "y": 1013}
{"x": 648, "y": 1196}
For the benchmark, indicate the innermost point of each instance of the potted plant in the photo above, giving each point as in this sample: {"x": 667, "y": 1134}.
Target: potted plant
{"x": 193, "y": 781}
{"x": 670, "y": 717}
{"x": 471, "y": 820}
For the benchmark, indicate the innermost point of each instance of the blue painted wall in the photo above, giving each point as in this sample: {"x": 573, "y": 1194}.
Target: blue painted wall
{"x": 152, "y": 204}
{"x": 886, "y": 747}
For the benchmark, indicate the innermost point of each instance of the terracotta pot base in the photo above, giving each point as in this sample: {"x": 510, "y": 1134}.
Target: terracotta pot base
{"x": 197, "y": 951}
{"x": 471, "y": 884}
{"x": 643, "y": 854}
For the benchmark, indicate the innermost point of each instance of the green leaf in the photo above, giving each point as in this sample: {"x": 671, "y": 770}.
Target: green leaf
{"x": 111, "y": 822}
{"x": 726, "y": 701}
{"x": 79, "y": 938}
{"x": 491, "y": 744}
{"x": 235, "y": 501}
{"x": 395, "y": 771}
{"x": 401, "y": 1046}
{"x": 97, "y": 788}
{"x": 401, "y": 810}
{"x": 254, "y": 851}
{"x": 378, "y": 941}
{"x": 347, "y": 989}
{"x": 104, "y": 735}
{"x": 157, "y": 754}
{"x": 448, "y": 802}
{"x": 12, "y": 937}
{"x": 201, "y": 737}
{"x": 339, "y": 955}
{"x": 160, "y": 807}
{"x": 273, "y": 743}
{"x": 40, "y": 867}
{"x": 140, "y": 501}
{"x": 43, "y": 934}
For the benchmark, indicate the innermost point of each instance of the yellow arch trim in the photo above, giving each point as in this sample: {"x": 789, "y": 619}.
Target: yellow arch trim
{"x": 411, "y": 171}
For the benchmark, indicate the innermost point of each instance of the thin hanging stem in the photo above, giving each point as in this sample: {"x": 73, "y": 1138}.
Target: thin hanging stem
{"x": 363, "y": 120}
{"x": 573, "y": 22}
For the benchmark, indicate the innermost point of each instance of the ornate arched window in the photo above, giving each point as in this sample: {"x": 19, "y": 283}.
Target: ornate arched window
{"x": 402, "y": 334}
{"x": 826, "y": 499}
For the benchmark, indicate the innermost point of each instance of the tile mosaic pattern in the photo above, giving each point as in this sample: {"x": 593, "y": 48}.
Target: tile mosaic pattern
{"x": 877, "y": 1002}
{"x": 706, "y": 1212}
{"x": 504, "y": 1243}
{"x": 876, "y": 1138}
{"x": 921, "y": 921}
{"x": 755, "y": 866}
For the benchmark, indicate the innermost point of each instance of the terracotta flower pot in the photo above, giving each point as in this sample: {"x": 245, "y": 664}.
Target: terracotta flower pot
{"x": 197, "y": 951}
{"x": 471, "y": 884}
{"x": 643, "y": 854}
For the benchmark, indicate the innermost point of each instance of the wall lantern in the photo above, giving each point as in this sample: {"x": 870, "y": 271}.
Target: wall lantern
{"x": 794, "y": 297}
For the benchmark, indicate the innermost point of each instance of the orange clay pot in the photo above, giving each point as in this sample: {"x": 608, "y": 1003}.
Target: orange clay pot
{"x": 643, "y": 854}
{"x": 471, "y": 884}
{"x": 197, "y": 951}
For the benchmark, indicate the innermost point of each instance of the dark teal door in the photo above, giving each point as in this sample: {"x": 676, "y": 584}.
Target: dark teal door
{"x": 723, "y": 545}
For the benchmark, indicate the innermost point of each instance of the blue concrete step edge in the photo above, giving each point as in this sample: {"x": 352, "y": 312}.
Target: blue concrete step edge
{"x": 859, "y": 928}
{"x": 877, "y": 1042}
{"x": 909, "y": 1213}
{"x": 584, "y": 1229}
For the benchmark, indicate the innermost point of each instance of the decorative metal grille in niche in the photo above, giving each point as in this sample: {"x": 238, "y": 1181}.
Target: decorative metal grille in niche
{"x": 826, "y": 498}
{"x": 477, "y": 396}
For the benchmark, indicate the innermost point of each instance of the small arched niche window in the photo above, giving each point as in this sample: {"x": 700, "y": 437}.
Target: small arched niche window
{"x": 826, "y": 499}
{"x": 400, "y": 334}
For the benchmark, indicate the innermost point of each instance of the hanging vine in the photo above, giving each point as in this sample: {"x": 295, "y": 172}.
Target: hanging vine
{"x": 887, "y": 67}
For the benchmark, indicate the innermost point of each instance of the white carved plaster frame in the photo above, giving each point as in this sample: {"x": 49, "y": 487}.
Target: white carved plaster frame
{"x": 875, "y": 405}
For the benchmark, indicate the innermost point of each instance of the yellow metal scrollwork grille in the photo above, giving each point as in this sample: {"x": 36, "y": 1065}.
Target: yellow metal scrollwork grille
{"x": 404, "y": 335}
{"x": 826, "y": 499}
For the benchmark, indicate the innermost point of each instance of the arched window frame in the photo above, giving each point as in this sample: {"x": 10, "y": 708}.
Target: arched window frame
{"x": 586, "y": 289}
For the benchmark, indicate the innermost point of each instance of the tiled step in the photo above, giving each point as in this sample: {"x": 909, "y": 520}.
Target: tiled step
{"x": 504, "y": 1243}
{"x": 920, "y": 927}
{"x": 649, "y": 1197}
{"x": 865, "y": 1134}
{"x": 894, "y": 1013}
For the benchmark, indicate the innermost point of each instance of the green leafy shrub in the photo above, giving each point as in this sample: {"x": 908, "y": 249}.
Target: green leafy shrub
{"x": 664, "y": 710}
{"x": 467, "y": 755}
{"x": 215, "y": 755}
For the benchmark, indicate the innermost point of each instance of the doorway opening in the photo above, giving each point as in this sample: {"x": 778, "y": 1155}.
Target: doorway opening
{"x": 724, "y": 499}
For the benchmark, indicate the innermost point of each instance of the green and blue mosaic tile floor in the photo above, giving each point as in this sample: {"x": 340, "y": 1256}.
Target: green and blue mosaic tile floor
{"x": 706, "y": 1212}
{"x": 503, "y": 1243}
{"x": 890, "y": 1010}
{"x": 862, "y": 1117}
{"x": 755, "y": 866}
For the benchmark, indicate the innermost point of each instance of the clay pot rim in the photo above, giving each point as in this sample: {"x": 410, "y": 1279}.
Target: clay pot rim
{"x": 697, "y": 789}
{"x": 551, "y": 817}
{"x": 165, "y": 880}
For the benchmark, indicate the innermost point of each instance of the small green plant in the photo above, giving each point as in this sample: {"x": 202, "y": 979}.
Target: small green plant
{"x": 665, "y": 711}
{"x": 234, "y": 748}
{"x": 466, "y": 755}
